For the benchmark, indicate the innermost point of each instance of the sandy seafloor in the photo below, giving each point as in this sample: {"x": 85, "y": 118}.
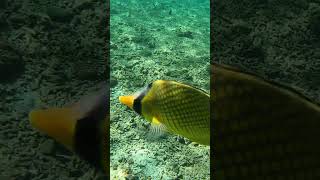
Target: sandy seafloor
{"x": 62, "y": 47}
{"x": 153, "y": 40}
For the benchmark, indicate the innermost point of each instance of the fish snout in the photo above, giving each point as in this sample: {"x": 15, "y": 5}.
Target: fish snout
{"x": 127, "y": 100}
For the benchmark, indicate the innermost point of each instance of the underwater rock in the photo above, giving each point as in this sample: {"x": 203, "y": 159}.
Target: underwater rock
{"x": 145, "y": 40}
{"x": 113, "y": 82}
{"x": 240, "y": 27}
{"x": 83, "y": 4}
{"x": 114, "y": 46}
{"x": 132, "y": 177}
{"x": 90, "y": 69}
{"x": 47, "y": 147}
{"x": 101, "y": 177}
{"x": 59, "y": 14}
{"x": 11, "y": 64}
{"x": 17, "y": 20}
{"x": 4, "y": 26}
{"x": 315, "y": 22}
{"x": 3, "y": 4}
{"x": 146, "y": 53}
{"x": 186, "y": 34}
{"x": 5, "y": 177}
{"x": 181, "y": 140}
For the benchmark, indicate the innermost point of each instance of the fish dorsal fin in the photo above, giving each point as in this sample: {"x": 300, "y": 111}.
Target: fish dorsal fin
{"x": 192, "y": 87}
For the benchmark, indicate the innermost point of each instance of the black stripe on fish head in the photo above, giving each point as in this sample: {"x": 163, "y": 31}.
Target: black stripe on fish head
{"x": 89, "y": 133}
{"x": 137, "y": 105}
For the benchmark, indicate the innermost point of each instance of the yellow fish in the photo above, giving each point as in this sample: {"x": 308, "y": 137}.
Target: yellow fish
{"x": 174, "y": 107}
{"x": 81, "y": 127}
{"x": 262, "y": 129}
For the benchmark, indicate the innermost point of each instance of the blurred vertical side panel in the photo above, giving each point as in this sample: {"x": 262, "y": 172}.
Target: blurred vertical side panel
{"x": 265, "y": 90}
{"x": 54, "y": 66}
{"x": 108, "y": 79}
{"x": 212, "y": 159}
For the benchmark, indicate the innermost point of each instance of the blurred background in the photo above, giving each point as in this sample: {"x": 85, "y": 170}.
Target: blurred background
{"x": 51, "y": 53}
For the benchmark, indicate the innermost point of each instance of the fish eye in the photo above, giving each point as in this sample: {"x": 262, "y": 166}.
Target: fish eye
{"x": 149, "y": 85}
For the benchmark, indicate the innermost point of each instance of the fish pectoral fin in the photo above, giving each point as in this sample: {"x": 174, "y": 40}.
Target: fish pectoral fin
{"x": 157, "y": 128}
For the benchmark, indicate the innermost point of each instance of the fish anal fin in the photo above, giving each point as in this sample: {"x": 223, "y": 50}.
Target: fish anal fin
{"x": 157, "y": 128}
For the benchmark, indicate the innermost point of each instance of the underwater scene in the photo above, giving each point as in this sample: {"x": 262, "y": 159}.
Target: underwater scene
{"x": 51, "y": 54}
{"x": 156, "y": 40}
